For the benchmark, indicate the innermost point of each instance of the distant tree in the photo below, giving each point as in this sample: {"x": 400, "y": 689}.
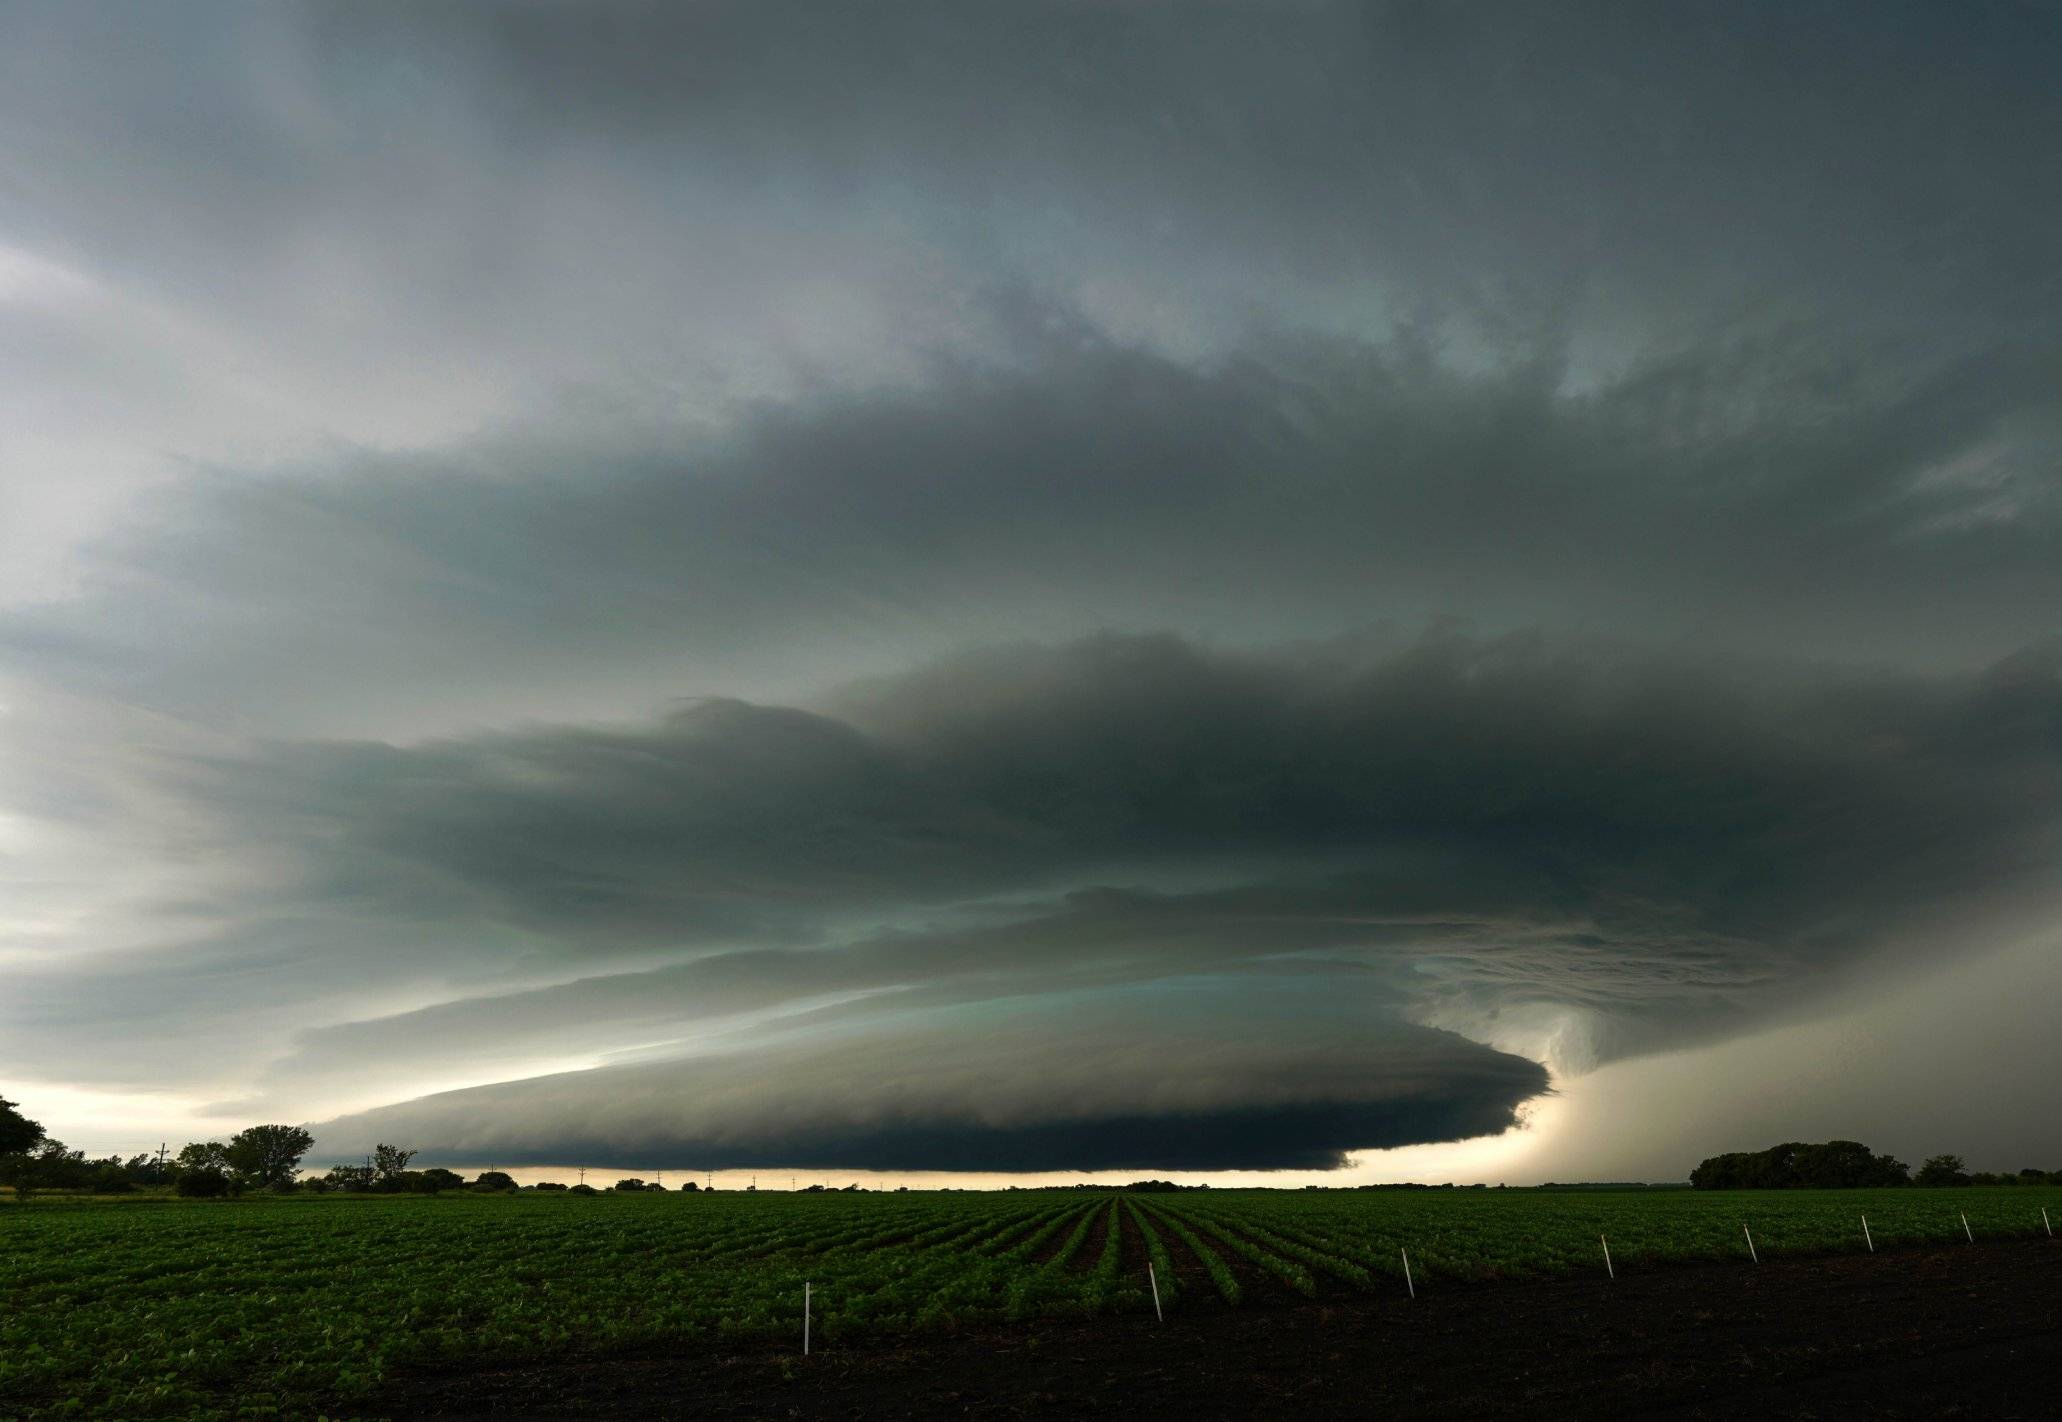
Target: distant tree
{"x": 205, "y": 1183}
{"x": 389, "y": 1165}
{"x": 690, "y": 1186}
{"x": 18, "y": 1134}
{"x": 1795, "y": 1165}
{"x": 109, "y": 1176}
{"x": 48, "y": 1167}
{"x": 549, "y": 1185}
{"x": 351, "y": 1179}
{"x": 1840, "y": 1165}
{"x": 1942, "y": 1170}
{"x": 630, "y": 1186}
{"x": 267, "y": 1157}
{"x": 494, "y": 1180}
{"x": 144, "y": 1169}
{"x": 583, "y": 1190}
{"x": 202, "y": 1169}
{"x": 203, "y": 1155}
{"x": 438, "y": 1178}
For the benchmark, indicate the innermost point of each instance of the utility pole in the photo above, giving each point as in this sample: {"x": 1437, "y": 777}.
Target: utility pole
{"x": 583, "y": 1175}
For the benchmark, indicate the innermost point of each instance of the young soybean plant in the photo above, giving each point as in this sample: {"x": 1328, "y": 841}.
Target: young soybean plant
{"x": 1165, "y": 1287}
{"x": 1213, "y": 1263}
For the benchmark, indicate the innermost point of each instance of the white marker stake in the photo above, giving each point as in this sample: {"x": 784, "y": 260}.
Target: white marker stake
{"x": 1750, "y": 1244}
{"x": 1156, "y": 1294}
{"x": 807, "y": 1290}
{"x": 1406, "y": 1275}
{"x": 1866, "y": 1235}
{"x": 2044, "y": 1220}
{"x": 1607, "y": 1256}
{"x": 1965, "y": 1228}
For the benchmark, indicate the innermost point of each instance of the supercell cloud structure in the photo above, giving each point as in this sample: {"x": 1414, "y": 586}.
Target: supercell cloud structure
{"x": 1026, "y": 587}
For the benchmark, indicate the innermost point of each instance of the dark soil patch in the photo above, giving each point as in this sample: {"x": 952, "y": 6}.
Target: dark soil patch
{"x": 1974, "y": 1331}
{"x": 1090, "y": 1255}
{"x": 1133, "y": 1240}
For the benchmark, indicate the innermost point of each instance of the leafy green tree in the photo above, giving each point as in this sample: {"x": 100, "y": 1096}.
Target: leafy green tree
{"x": 494, "y": 1180}
{"x": 203, "y": 1155}
{"x": 26, "y": 1154}
{"x": 438, "y": 1178}
{"x": 18, "y": 1134}
{"x": 1942, "y": 1170}
{"x": 204, "y": 1170}
{"x": 1796, "y": 1165}
{"x": 389, "y": 1164}
{"x": 267, "y": 1157}
{"x": 205, "y": 1184}
{"x": 48, "y": 1167}
{"x": 349, "y": 1177}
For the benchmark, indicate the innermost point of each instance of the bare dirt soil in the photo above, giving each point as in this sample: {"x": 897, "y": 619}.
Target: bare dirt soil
{"x": 1973, "y": 1331}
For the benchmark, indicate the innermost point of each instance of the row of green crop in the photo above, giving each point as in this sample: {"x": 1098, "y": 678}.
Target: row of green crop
{"x": 278, "y": 1310}
{"x": 1357, "y": 1238}
{"x": 285, "y": 1308}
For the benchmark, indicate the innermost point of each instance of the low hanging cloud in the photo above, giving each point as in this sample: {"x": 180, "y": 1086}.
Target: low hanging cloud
{"x": 1200, "y": 1074}
{"x": 1011, "y": 906}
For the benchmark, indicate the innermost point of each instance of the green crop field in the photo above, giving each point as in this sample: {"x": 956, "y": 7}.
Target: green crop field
{"x": 303, "y": 1306}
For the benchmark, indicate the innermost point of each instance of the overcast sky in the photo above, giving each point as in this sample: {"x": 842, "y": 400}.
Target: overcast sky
{"x": 1426, "y": 590}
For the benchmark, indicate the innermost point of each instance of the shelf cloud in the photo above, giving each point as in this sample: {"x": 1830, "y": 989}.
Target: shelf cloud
{"x": 1148, "y": 876}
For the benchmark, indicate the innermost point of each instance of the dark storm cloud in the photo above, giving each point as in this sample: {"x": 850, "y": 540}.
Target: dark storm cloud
{"x": 1639, "y": 318}
{"x": 1765, "y": 495}
{"x": 1612, "y": 850}
{"x": 1695, "y": 149}
{"x": 1269, "y": 1074}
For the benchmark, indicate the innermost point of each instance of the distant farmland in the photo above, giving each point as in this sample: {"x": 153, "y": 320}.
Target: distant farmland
{"x": 294, "y": 1306}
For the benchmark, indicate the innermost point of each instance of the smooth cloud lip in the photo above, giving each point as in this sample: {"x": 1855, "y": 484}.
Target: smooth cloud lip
{"x": 1276, "y": 1082}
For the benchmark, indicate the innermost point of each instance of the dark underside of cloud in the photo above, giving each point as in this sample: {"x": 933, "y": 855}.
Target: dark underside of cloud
{"x": 1075, "y": 1089}
{"x": 1315, "y": 1136}
{"x": 1028, "y": 901}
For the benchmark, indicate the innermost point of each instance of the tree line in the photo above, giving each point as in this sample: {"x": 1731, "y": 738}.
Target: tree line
{"x": 1844, "y": 1165}
{"x": 258, "y": 1158}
